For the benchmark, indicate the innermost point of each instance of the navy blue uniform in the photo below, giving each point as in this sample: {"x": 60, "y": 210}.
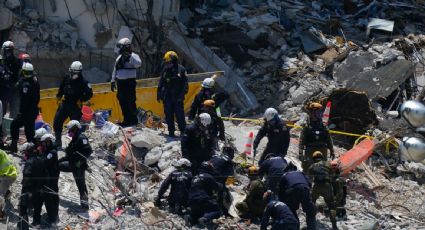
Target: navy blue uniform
{"x": 283, "y": 218}
{"x": 197, "y": 145}
{"x": 29, "y": 91}
{"x": 74, "y": 91}
{"x": 77, "y": 164}
{"x": 223, "y": 165}
{"x": 50, "y": 157}
{"x": 273, "y": 168}
{"x": 172, "y": 89}
{"x": 278, "y": 138}
{"x": 201, "y": 200}
{"x": 295, "y": 190}
{"x": 203, "y": 95}
{"x": 180, "y": 184}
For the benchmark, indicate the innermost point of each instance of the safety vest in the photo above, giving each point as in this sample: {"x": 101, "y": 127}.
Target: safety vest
{"x": 6, "y": 166}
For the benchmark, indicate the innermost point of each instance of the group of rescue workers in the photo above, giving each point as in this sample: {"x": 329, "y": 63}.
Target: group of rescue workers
{"x": 198, "y": 185}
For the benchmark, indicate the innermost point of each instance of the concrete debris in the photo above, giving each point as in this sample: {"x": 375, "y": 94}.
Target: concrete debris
{"x": 6, "y": 18}
{"x": 12, "y": 4}
{"x": 147, "y": 139}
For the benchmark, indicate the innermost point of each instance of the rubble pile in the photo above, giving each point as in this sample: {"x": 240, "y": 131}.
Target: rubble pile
{"x": 288, "y": 50}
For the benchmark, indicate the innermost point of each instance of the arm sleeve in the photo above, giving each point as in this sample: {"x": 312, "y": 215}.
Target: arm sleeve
{"x": 87, "y": 92}
{"x": 265, "y": 218}
{"x": 302, "y": 136}
{"x": 37, "y": 93}
{"x": 185, "y": 144}
{"x": 287, "y": 138}
{"x": 135, "y": 60}
{"x": 185, "y": 82}
{"x": 160, "y": 86}
{"x": 194, "y": 107}
{"x": 114, "y": 71}
{"x": 60, "y": 91}
{"x": 164, "y": 186}
{"x": 329, "y": 140}
{"x": 220, "y": 126}
{"x": 261, "y": 133}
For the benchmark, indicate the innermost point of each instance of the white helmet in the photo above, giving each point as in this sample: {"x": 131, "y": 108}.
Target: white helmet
{"x": 205, "y": 119}
{"x": 40, "y": 132}
{"x": 208, "y": 83}
{"x": 27, "y": 70}
{"x": 8, "y": 45}
{"x": 182, "y": 162}
{"x": 27, "y": 146}
{"x": 123, "y": 42}
{"x": 48, "y": 136}
{"x": 73, "y": 123}
{"x": 76, "y": 66}
{"x": 270, "y": 114}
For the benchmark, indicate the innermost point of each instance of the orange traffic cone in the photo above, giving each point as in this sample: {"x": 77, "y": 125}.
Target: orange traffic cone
{"x": 326, "y": 113}
{"x": 249, "y": 143}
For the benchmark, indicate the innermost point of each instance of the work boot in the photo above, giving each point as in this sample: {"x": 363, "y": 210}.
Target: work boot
{"x": 14, "y": 146}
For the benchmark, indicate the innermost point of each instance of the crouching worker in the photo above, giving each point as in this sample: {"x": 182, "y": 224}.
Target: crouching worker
{"x": 283, "y": 218}
{"x": 253, "y": 206}
{"x": 180, "y": 181}
{"x": 34, "y": 178}
{"x": 8, "y": 174}
{"x": 75, "y": 161}
{"x": 202, "y": 201}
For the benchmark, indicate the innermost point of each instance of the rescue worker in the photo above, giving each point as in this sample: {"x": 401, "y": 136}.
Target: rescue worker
{"x": 34, "y": 177}
{"x": 217, "y": 125}
{"x": 340, "y": 189}
{"x": 273, "y": 168}
{"x": 321, "y": 173}
{"x": 8, "y": 174}
{"x": 75, "y": 161}
{"x": 50, "y": 157}
{"x": 29, "y": 90}
{"x": 124, "y": 74}
{"x": 283, "y": 218}
{"x": 203, "y": 205}
{"x": 172, "y": 88}
{"x": 253, "y": 206}
{"x": 74, "y": 90}
{"x": 294, "y": 190}
{"x": 196, "y": 143}
{"x": 180, "y": 181}
{"x": 223, "y": 164}
{"x": 206, "y": 93}
{"x": 277, "y": 133}
{"x": 314, "y": 137}
{"x": 9, "y": 95}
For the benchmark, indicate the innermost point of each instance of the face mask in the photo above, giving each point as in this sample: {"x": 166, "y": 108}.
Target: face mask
{"x": 71, "y": 134}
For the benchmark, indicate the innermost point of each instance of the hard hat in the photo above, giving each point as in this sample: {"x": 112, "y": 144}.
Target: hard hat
{"x": 170, "y": 56}
{"x": 253, "y": 170}
{"x": 315, "y": 105}
{"x": 412, "y": 149}
{"x": 270, "y": 114}
{"x": 76, "y": 66}
{"x": 208, "y": 83}
{"x": 123, "y": 42}
{"x": 24, "y": 56}
{"x": 209, "y": 103}
{"x": 27, "y": 146}
{"x": 317, "y": 154}
{"x": 205, "y": 119}
{"x": 27, "y": 70}
{"x": 40, "y": 132}
{"x": 182, "y": 162}
{"x": 8, "y": 45}
{"x": 73, "y": 123}
{"x": 413, "y": 112}
{"x": 48, "y": 136}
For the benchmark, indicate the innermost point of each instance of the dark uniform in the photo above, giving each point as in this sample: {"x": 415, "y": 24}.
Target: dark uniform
{"x": 273, "y": 168}
{"x": 278, "y": 135}
{"x": 253, "y": 205}
{"x": 197, "y": 145}
{"x": 295, "y": 190}
{"x": 29, "y": 90}
{"x": 51, "y": 198}
{"x": 205, "y": 94}
{"x": 201, "y": 200}
{"x": 172, "y": 89}
{"x": 322, "y": 178}
{"x": 217, "y": 125}
{"x": 314, "y": 137}
{"x": 283, "y": 218}
{"x": 180, "y": 181}
{"x": 77, "y": 164}
{"x": 75, "y": 92}
{"x": 33, "y": 181}
{"x": 223, "y": 165}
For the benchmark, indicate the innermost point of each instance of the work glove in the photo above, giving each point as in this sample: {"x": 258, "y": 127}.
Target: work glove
{"x": 158, "y": 97}
{"x": 113, "y": 86}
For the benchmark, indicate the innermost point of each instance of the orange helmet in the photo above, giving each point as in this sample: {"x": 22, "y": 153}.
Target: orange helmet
{"x": 209, "y": 103}
{"x": 253, "y": 170}
{"x": 317, "y": 154}
{"x": 315, "y": 106}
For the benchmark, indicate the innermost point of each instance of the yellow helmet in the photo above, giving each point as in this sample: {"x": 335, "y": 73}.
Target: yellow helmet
{"x": 170, "y": 55}
{"x": 315, "y": 105}
{"x": 253, "y": 170}
{"x": 209, "y": 103}
{"x": 317, "y": 154}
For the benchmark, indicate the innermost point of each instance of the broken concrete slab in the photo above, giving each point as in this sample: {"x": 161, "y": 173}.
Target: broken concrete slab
{"x": 12, "y": 4}
{"x": 204, "y": 60}
{"x": 148, "y": 139}
{"x": 6, "y": 18}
